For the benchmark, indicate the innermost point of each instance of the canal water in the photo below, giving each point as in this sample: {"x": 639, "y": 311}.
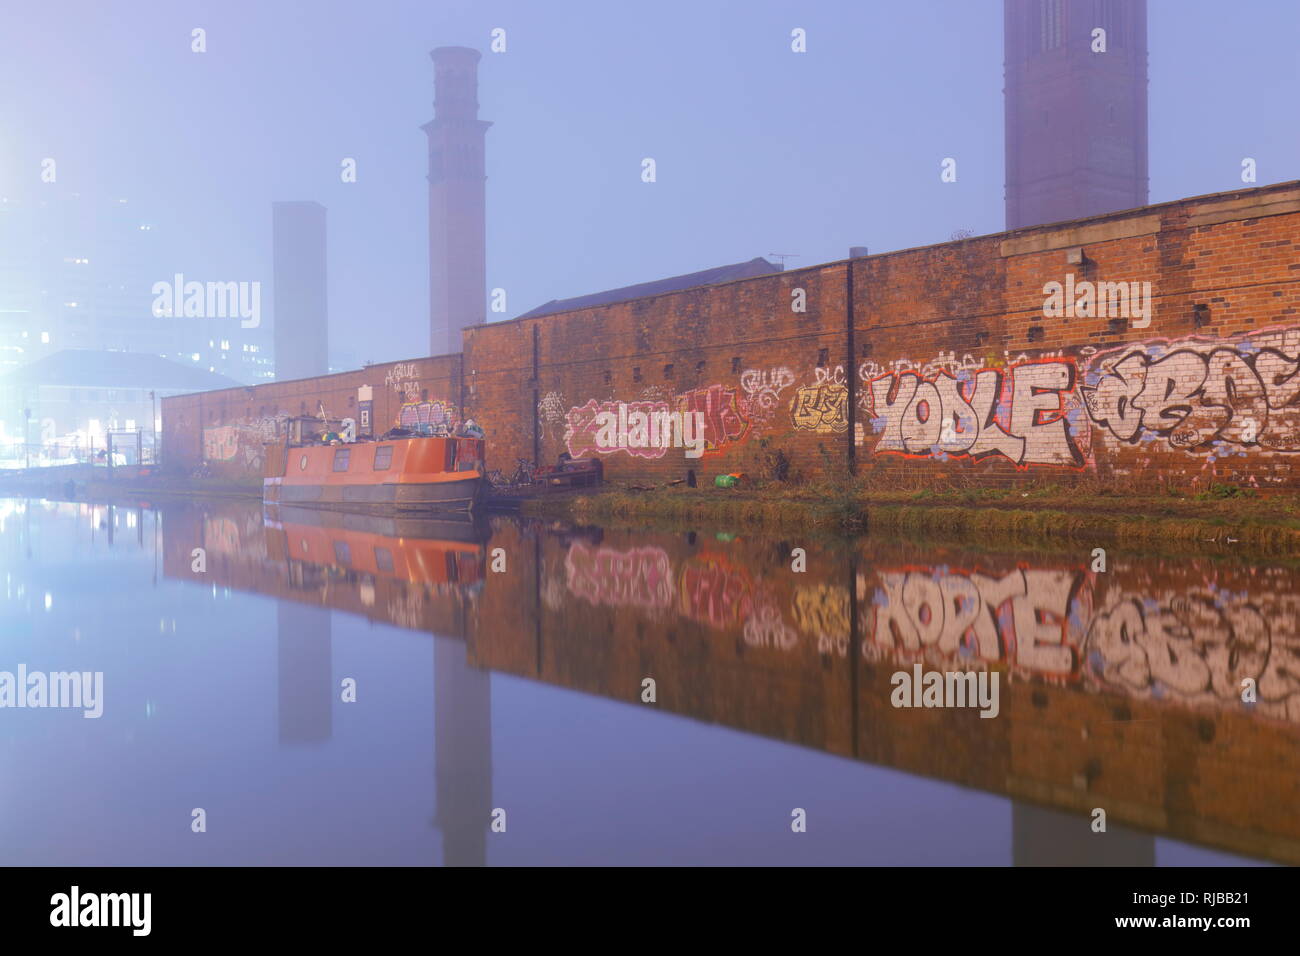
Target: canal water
{"x": 306, "y": 688}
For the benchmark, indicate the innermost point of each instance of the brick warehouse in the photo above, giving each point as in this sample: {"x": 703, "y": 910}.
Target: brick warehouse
{"x": 921, "y": 365}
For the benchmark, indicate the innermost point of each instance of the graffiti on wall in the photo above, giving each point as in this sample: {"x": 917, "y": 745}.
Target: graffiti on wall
{"x": 435, "y": 413}
{"x": 221, "y": 443}
{"x": 703, "y": 419}
{"x": 763, "y": 388}
{"x": 550, "y": 413}
{"x": 1027, "y": 414}
{"x": 943, "y": 362}
{"x": 720, "y": 410}
{"x": 1201, "y": 395}
{"x": 1204, "y": 396}
{"x": 822, "y": 406}
{"x": 642, "y": 429}
{"x": 242, "y": 443}
{"x": 403, "y": 379}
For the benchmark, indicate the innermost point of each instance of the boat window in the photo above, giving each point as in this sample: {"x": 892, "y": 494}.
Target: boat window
{"x": 342, "y": 553}
{"x": 383, "y": 457}
{"x": 383, "y": 559}
{"x": 341, "y": 457}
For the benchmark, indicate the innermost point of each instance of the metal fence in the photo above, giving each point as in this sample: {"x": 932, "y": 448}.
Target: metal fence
{"x": 120, "y": 448}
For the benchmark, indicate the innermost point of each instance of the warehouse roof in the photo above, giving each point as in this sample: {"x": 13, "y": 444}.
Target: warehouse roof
{"x": 740, "y": 270}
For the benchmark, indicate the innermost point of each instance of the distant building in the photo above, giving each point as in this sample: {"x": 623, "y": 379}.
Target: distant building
{"x": 78, "y": 395}
{"x": 78, "y": 272}
{"x": 740, "y": 270}
{"x": 1076, "y": 117}
{"x": 457, "y": 204}
{"x": 301, "y": 316}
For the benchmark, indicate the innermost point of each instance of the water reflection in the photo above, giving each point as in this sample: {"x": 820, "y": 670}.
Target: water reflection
{"x": 1120, "y": 689}
{"x": 306, "y": 683}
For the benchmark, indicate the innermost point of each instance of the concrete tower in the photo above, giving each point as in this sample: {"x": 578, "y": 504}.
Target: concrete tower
{"x": 298, "y": 248}
{"x": 1076, "y": 118}
{"x": 457, "y": 207}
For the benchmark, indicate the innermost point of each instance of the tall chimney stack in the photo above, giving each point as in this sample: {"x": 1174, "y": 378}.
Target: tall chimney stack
{"x": 1076, "y": 108}
{"x": 457, "y": 205}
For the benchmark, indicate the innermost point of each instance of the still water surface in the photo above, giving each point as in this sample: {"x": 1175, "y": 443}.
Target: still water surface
{"x": 517, "y": 695}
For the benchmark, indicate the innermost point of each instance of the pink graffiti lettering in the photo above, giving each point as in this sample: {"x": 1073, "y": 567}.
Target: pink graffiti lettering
{"x": 723, "y": 420}
{"x": 583, "y": 428}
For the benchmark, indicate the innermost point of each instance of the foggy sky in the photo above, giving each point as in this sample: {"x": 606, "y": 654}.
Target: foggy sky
{"x": 759, "y": 150}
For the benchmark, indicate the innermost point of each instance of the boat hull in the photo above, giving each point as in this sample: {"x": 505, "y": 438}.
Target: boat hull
{"x": 460, "y": 494}
{"x": 413, "y": 476}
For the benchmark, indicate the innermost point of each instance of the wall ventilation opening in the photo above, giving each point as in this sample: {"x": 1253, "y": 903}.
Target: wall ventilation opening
{"x": 1035, "y": 333}
{"x": 866, "y": 349}
{"x": 699, "y": 368}
{"x": 608, "y": 378}
{"x": 690, "y": 481}
{"x": 981, "y": 339}
{"x": 1201, "y": 315}
{"x": 735, "y": 364}
{"x": 636, "y": 373}
{"x": 823, "y": 356}
{"x": 668, "y": 370}
{"x": 1115, "y": 326}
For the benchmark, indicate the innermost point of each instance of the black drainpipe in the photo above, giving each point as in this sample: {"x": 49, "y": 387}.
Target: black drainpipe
{"x": 851, "y": 371}
{"x": 537, "y": 425}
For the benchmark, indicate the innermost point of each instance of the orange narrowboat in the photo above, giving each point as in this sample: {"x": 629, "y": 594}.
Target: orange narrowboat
{"x": 400, "y": 475}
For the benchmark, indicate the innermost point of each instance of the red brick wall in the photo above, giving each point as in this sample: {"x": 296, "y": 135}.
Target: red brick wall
{"x": 235, "y": 422}
{"x": 722, "y": 343}
{"x": 952, "y": 371}
{"x": 975, "y": 308}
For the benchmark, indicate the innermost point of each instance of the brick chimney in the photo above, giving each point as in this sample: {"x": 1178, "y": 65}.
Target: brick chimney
{"x": 1076, "y": 108}
{"x": 457, "y": 205}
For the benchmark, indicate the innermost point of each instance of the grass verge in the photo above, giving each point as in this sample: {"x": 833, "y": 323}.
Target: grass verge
{"x": 1262, "y": 525}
